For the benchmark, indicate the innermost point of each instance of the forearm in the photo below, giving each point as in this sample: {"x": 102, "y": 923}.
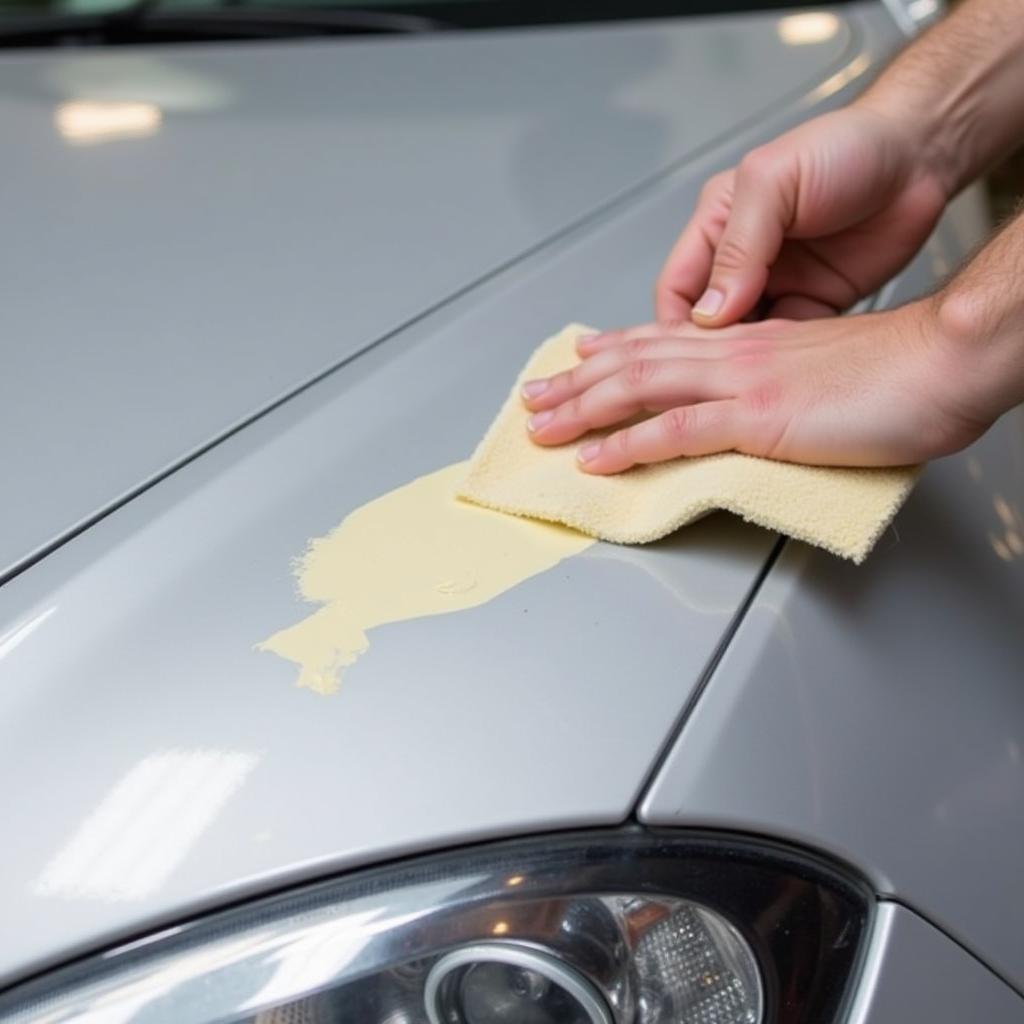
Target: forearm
{"x": 960, "y": 89}
{"x": 981, "y": 312}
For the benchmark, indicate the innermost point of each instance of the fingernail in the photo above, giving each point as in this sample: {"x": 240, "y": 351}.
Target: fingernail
{"x": 709, "y": 303}
{"x": 533, "y": 388}
{"x": 586, "y": 340}
{"x": 589, "y": 451}
{"x": 539, "y": 419}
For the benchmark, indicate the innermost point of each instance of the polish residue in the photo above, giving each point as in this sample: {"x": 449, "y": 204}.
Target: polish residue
{"x": 415, "y": 551}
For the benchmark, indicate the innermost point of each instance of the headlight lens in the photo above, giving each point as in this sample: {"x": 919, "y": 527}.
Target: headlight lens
{"x": 598, "y": 929}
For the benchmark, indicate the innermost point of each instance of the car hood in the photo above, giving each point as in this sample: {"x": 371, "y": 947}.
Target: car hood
{"x": 191, "y": 233}
{"x": 290, "y": 206}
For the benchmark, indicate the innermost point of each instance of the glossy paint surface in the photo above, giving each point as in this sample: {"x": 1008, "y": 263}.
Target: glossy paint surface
{"x": 915, "y": 973}
{"x": 179, "y": 767}
{"x": 163, "y": 762}
{"x": 156, "y": 764}
{"x": 192, "y": 232}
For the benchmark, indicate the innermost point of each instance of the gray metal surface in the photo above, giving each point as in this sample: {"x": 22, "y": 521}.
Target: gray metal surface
{"x": 878, "y": 712}
{"x": 128, "y": 673}
{"x": 296, "y": 202}
{"x": 914, "y": 973}
{"x": 136, "y": 652}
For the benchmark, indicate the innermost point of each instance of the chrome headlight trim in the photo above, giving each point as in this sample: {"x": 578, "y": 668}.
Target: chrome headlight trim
{"x": 515, "y": 956}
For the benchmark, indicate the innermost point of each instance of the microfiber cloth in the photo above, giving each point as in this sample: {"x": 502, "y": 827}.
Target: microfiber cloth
{"x": 841, "y": 510}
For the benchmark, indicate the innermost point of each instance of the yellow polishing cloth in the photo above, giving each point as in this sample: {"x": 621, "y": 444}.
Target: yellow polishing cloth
{"x": 842, "y": 510}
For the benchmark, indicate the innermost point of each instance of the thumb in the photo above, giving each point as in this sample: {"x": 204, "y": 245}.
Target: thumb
{"x": 761, "y": 211}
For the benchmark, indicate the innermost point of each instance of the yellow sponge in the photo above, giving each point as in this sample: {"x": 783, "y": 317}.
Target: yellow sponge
{"x": 841, "y": 510}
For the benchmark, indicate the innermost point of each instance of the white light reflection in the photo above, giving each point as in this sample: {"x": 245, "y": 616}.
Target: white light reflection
{"x": 1005, "y": 512}
{"x": 920, "y": 10}
{"x": 96, "y": 121}
{"x": 13, "y": 637}
{"x": 318, "y": 956}
{"x": 128, "y": 999}
{"x": 1009, "y": 544}
{"x": 145, "y": 826}
{"x": 808, "y": 28}
{"x": 314, "y": 958}
{"x": 853, "y": 70}
{"x": 1000, "y": 547}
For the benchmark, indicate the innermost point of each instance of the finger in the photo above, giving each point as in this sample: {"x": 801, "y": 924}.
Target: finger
{"x": 645, "y": 385}
{"x": 707, "y": 340}
{"x": 678, "y": 329}
{"x": 762, "y": 209}
{"x": 688, "y": 430}
{"x": 588, "y": 344}
{"x": 546, "y": 393}
{"x": 593, "y": 343}
{"x": 687, "y": 269}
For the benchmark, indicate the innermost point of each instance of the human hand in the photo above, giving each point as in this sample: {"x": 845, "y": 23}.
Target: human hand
{"x": 880, "y": 389}
{"x": 810, "y": 223}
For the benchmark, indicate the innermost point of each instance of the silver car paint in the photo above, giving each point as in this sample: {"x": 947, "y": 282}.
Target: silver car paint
{"x": 299, "y": 202}
{"x": 133, "y": 642}
{"x": 130, "y": 643}
{"x": 914, "y": 973}
{"x": 136, "y": 670}
{"x": 135, "y": 639}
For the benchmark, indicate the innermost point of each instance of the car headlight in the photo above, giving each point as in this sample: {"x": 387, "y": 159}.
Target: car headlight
{"x": 599, "y": 928}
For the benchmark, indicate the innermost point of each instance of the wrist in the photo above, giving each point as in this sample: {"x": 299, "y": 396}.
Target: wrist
{"x": 928, "y": 145}
{"x": 957, "y": 89}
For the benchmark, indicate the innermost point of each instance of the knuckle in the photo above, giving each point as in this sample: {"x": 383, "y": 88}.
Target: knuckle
{"x": 678, "y": 423}
{"x": 759, "y": 164}
{"x": 637, "y": 375}
{"x": 763, "y": 401}
{"x": 731, "y": 254}
{"x": 637, "y": 348}
{"x": 568, "y": 380}
{"x": 709, "y": 191}
{"x": 574, "y": 409}
{"x": 716, "y": 186}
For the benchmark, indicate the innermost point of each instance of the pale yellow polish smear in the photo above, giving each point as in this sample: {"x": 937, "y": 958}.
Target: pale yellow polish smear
{"x": 415, "y": 551}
